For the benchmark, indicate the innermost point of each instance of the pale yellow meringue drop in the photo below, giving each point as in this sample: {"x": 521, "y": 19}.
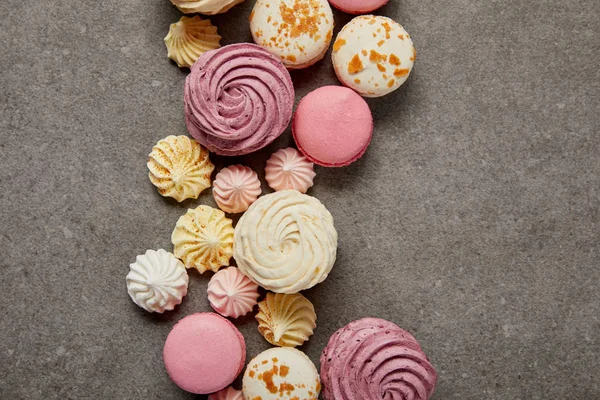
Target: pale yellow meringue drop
{"x": 189, "y": 38}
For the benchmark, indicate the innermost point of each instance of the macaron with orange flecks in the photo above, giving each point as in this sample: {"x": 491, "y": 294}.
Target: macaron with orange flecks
{"x": 373, "y": 55}
{"x": 296, "y": 31}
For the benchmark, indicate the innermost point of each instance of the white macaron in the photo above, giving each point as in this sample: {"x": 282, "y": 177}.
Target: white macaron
{"x": 373, "y": 55}
{"x": 297, "y": 31}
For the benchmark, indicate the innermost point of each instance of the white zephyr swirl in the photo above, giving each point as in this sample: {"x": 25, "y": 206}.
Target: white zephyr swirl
{"x": 286, "y": 242}
{"x": 235, "y": 188}
{"x": 231, "y": 293}
{"x": 157, "y": 281}
{"x": 289, "y": 169}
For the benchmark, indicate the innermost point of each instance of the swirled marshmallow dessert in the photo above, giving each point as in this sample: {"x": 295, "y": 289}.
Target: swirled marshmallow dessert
{"x": 189, "y": 38}
{"x": 235, "y": 188}
{"x": 289, "y": 169}
{"x": 203, "y": 239}
{"x": 157, "y": 281}
{"x": 179, "y": 168}
{"x": 374, "y": 359}
{"x": 286, "y": 242}
{"x": 231, "y": 293}
{"x": 208, "y": 7}
{"x": 281, "y": 373}
{"x": 238, "y": 99}
{"x": 296, "y": 31}
{"x": 286, "y": 320}
{"x": 373, "y": 55}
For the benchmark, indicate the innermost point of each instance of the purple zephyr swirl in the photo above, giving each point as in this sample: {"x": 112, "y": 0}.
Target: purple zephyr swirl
{"x": 374, "y": 359}
{"x": 238, "y": 99}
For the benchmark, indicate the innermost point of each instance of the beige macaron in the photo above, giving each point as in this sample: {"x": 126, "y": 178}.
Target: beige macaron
{"x": 297, "y": 31}
{"x": 373, "y": 55}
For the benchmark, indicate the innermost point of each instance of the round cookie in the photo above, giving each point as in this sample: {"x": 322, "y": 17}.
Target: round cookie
{"x": 296, "y": 31}
{"x": 373, "y": 55}
{"x": 333, "y": 126}
{"x": 281, "y": 373}
{"x": 358, "y": 6}
{"x": 204, "y": 353}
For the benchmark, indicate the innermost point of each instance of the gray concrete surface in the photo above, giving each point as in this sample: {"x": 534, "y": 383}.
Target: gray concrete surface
{"x": 472, "y": 221}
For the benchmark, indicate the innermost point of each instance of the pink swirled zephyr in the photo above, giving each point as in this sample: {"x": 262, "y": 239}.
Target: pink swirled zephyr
{"x": 238, "y": 99}
{"x": 374, "y": 359}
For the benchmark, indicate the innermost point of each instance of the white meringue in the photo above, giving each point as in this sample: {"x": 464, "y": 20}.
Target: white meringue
{"x": 203, "y": 239}
{"x": 289, "y": 169}
{"x": 231, "y": 293}
{"x": 286, "y": 319}
{"x": 286, "y": 242}
{"x": 179, "y": 167}
{"x": 227, "y": 394}
{"x": 235, "y": 188}
{"x": 157, "y": 281}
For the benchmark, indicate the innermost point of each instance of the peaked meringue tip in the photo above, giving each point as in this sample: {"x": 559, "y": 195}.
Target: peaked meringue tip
{"x": 231, "y": 293}
{"x": 189, "y": 38}
{"x": 179, "y": 167}
{"x": 235, "y": 188}
{"x": 286, "y": 320}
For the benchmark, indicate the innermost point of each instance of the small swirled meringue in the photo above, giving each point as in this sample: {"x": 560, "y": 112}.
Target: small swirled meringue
{"x": 235, "y": 188}
{"x": 179, "y": 167}
{"x": 374, "y": 359}
{"x": 189, "y": 38}
{"x": 157, "y": 281}
{"x": 231, "y": 293}
{"x": 208, "y": 7}
{"x": 203, "y": 239}
{"x": 227, "y": 394}
{"x": 286, "y": 320}
{"x": 286, "y": 242}
{"x": 238, "y": 99}
{"x": 289, "y": 169}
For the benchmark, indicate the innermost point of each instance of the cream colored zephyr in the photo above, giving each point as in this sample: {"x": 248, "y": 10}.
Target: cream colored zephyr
{"x": 286, "y": 320}
{"x": 208, "y": 7}
{"x": 189, "y": 38}
{"x": 179, "y": 168}
{"x": 203, "y": 239}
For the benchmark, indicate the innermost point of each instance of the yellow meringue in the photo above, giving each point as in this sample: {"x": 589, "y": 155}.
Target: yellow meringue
{"x": 208, "y": 7}
{"x": 180, "y": 168}
{"x": 203, "y": 239}
{"x": 189, "y": 38}
{"x": 286, "y": 320}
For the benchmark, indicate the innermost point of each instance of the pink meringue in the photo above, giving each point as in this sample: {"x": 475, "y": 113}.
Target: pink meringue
{"x": 235, "y": 188}
{"x": 231, "y": 293}
{"x": 289, "y": 169}
{"x": 227, "y": 394}
{"x": 374, "y": 359}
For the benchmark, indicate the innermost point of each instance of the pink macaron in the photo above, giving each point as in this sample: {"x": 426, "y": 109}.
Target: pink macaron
{"x": 358, "y": 6}
{"x": 204, "y": 353}
{"x": 333, "y": 126}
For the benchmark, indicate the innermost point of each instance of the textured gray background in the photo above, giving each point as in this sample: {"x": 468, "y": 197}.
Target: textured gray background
{"x": 472, "y": 220}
